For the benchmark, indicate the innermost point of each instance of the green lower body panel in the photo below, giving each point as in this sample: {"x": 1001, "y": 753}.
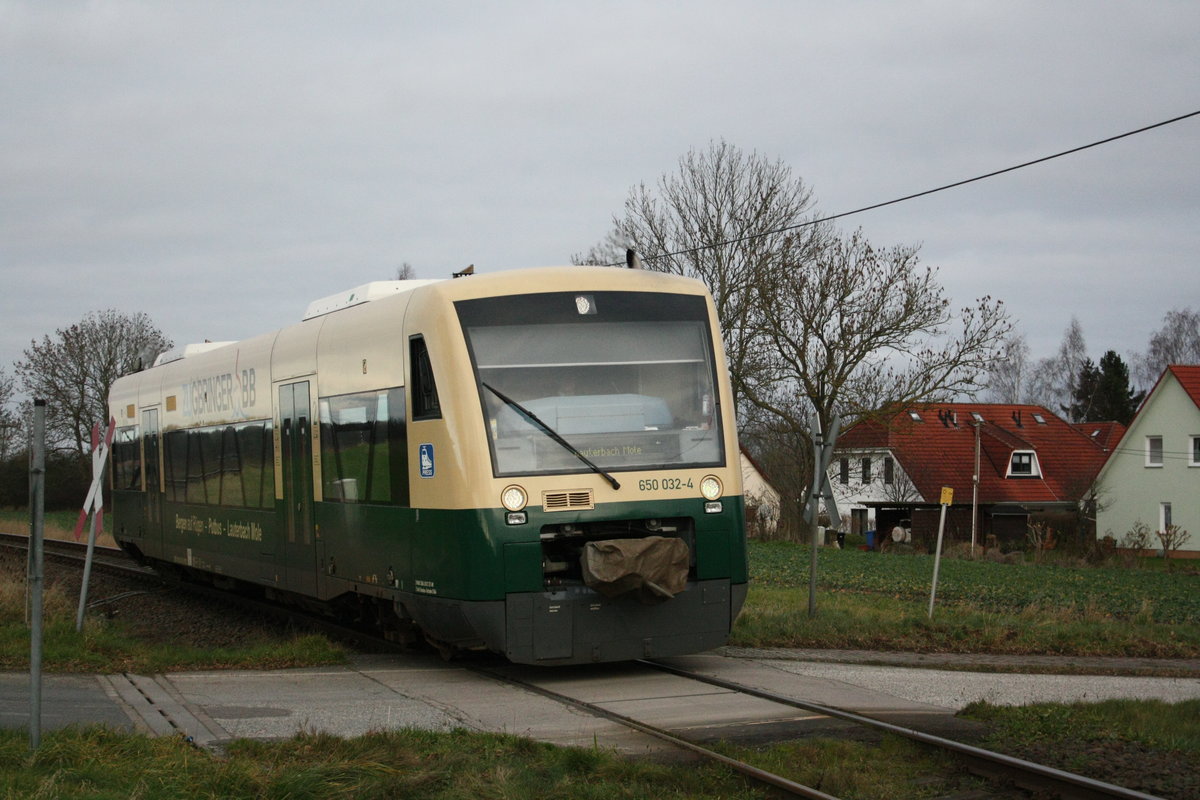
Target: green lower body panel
{"x": 579, "y": 626}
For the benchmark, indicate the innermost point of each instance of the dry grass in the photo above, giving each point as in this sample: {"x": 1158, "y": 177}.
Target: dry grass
{"x": 59, "y": 525}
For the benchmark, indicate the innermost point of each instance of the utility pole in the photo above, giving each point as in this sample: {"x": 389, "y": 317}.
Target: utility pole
{"x": 821, "y": 490}
{"x": 37, "y": 521}
{"x": 975, "y": 491}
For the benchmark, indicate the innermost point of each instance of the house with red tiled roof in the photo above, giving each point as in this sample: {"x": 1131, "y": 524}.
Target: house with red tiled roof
{"x": 1153, "y": 476}
{"x": 893, "y": 468}
{"x": 1105, "y": 434}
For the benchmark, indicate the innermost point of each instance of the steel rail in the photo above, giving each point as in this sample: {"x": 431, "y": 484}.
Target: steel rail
{"x": 749, "y": 770}
{"x": 1066, "y": 784}
{"x": 113, "y": 559}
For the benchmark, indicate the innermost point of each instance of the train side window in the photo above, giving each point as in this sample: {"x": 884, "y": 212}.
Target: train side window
{"x": 127, "y": 459}
{"x": 364, "y": 450}
{"x": 425, "y": 403}
{"x": 230, "y": 465}
{"x": 175, "y": 462}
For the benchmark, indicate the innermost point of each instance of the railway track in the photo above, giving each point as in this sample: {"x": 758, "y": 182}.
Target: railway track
{"x": 1025, "y": 774}
{"x": 1002, "y": 770}
{"x": 774, "y": 714}
{"x": 110, "y": 559}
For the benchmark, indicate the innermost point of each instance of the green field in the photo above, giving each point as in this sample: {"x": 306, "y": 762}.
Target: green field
{"x": 1168, "y": 597}
{"x": 868, "y": 600}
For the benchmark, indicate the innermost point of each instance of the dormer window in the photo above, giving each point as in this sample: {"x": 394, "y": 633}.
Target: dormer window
{"x": 1039, "y": 419}
{"x": 914, "y": 416}
{"x": 1024, "y": 464}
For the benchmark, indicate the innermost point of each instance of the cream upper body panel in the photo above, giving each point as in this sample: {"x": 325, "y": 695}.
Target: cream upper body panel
{"x": 366, "y": 347}
{"x": 227, "y": 385}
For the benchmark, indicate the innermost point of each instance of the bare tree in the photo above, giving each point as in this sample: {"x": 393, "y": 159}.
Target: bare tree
{"x": 1054, "y": 382}
{"x": 1008, "y": 379}
{"x": 785, "y": 456}
{"x": 857, "y": 329}
{"x": 405, "y": 272}
{"x": 719, "y": 217}
{"x": 10, "y": 435}
{"x": 809, "y": 318}
{"x": 74, "y": 369}
{"x": 1176, "y": 342}
{"x": 608, "y": 252}
{"x": 1172, "y": 539}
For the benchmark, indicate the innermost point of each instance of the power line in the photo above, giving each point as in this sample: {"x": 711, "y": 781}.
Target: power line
{"x": 915, "y": 195}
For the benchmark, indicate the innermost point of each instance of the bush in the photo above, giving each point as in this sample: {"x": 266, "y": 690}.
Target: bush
{"x": 66, "y": 484}
{"x": 1134, "y": 543}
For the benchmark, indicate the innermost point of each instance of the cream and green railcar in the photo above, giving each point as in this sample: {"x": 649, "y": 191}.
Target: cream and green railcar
{"x": 541, "y": 462}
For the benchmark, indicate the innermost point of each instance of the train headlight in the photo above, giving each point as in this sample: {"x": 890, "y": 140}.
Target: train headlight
{"x": 710, "y": 487}
{"x": 513, "y": 498}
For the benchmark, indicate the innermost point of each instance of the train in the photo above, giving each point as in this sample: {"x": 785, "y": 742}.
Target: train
{"x": 542, "y": 463}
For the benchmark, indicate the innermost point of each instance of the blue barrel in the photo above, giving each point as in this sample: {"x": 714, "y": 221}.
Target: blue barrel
{"x": 870, "y": 540}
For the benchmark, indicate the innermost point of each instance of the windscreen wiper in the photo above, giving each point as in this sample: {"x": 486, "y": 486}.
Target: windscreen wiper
{"x": 553, "y": 434}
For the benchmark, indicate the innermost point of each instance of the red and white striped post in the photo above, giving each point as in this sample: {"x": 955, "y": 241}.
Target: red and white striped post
{"x": 94, "y": 502}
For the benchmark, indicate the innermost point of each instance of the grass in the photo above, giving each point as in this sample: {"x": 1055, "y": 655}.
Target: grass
{"x": 57, "y": 525}
{"x": 1114, "y": 591}
{"x": 872, "y": 601}
{"x": 97, "y": 763}
{"x": 1147, "y": 745}
{"x": 895, "y": 767}
{"x": 1150, "y": 723}
{"x": 110, "y": 646}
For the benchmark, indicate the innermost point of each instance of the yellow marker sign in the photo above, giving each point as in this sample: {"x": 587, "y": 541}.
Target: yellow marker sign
{"x": 947, "y": 496}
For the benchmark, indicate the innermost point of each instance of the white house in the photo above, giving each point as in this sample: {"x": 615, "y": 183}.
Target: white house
{"x": 864, "y": 477}
{"x": 762, "y": 499}
{"x": 1153, "y": 475}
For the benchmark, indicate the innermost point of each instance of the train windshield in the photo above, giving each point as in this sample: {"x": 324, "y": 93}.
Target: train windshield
{"x": 624, "y": 378}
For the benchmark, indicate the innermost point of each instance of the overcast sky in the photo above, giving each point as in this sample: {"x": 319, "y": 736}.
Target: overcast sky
{"x": 218, "y": 165}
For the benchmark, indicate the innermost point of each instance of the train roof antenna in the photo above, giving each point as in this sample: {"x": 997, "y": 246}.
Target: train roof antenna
{"x": 632, "y": 260}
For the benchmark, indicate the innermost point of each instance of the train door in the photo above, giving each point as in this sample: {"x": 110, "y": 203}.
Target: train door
{"x": 298, "y": 552}
{"x": 152, "y": 473}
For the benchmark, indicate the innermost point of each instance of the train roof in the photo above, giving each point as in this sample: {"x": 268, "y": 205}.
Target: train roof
{"x": 530, "y": 280}
{"x": 375, "y": 290}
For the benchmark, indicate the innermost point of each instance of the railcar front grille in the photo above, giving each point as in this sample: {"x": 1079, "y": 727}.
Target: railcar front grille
{"x": 568, "y": 501}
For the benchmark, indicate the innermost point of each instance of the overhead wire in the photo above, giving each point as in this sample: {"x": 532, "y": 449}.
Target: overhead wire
{"x": 915, "y": 195}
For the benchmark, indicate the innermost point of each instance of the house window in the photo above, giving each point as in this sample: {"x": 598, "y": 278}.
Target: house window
{"x": 1154, "y": 451}
{"x": 1194, "y": 460}
{"x": 866, "y": 470}
{"x": 1164, "y": 516}
{"x": 889, "y": 470}
{"x": 845, "y": 472}
{"x": 1024, "y": 464}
